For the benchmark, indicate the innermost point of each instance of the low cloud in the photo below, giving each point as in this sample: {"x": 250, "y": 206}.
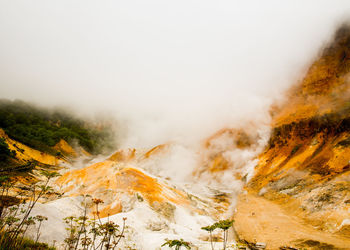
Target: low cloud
{"x": 166, "y": 70}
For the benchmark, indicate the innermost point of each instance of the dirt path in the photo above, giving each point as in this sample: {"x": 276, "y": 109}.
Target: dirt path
{"x": 260, "y": 220}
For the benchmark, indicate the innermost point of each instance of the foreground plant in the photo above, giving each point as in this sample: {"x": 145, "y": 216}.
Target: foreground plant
{"x": 177, "y": 244}
{"x": 92, "y": 234}
{"x": 223, "y": 225}
{"x": 15, "y": 219}
{"x": 210, "y": 229}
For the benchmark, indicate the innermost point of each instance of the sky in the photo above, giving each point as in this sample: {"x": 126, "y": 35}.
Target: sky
{"x": 170, "y": 70}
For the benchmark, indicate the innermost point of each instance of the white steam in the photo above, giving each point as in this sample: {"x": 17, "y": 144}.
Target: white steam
{"x": 169, "y": 71}
{"x": 172, "y": 72}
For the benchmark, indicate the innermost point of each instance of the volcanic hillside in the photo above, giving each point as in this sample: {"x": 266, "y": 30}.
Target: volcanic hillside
{"x": 305, "y": 167}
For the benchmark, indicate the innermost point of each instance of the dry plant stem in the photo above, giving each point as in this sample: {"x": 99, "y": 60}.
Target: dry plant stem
{"x": 109, "y": 239}
{"x": 25, "y": 230}
{"x": 121, "y": 234}
{"x": 15, "y": 220}
{"x": 35, "y": 199}
{"x": 94, "y": 231}
{"x": 104, "y": 235}
{"x": 109, "y": 234}
{"x": 225, "y": 238}
{"x": 101, "y": 243}
{"x": 4, "y": 236}
{"x": 223, "y": 242}
{"x": 38, "y": 232}
{"x": 85, "y": 231}
{"x": 211, "y": 240}
{"x": 83, "y": 224}
{"x": 98, "y": 214}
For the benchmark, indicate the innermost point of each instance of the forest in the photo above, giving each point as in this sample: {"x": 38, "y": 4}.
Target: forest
{"x": 42, "y": 128}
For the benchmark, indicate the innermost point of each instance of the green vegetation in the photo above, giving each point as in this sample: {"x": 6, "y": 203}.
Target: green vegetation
{"x": 29, "y": 244}
{"x": 224, "y": 225}
{"x": 5, "y": 152}
{"x": 92, "y": 234}
{"x": 177, "y": 244}
{"x": 42, "y": 129}
{"x": 7, "y": 158}
{"x": 15, "y": 218}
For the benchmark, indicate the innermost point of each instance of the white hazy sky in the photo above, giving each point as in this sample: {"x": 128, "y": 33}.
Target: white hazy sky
{"x": 171, "y": 68}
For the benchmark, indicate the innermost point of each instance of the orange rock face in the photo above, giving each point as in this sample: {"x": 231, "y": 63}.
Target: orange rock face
{"x": 326, "y": 87}
{"x": 123, "y": 155}
{"x": 306, "y": 164}
{"x": 114, "y": 180}
{"x": 65, "y": 148}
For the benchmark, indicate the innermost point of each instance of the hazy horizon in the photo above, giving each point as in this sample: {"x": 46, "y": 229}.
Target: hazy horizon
{"x": 168, "y": 69}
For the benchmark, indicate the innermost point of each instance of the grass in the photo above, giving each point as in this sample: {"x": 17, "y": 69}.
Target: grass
{"x": 29, "y": 244}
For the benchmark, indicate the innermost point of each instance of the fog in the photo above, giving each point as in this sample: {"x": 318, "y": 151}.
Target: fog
{"x": 167, "y": 70}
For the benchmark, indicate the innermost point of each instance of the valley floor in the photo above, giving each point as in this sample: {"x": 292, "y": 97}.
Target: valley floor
{"x": 260, "y": 220}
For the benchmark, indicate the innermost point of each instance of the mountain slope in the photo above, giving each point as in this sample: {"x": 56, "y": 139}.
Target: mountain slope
{"x": 305, "y": 167}
{"x": 42, "y": 129}
{"x": 155, "y": 207}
